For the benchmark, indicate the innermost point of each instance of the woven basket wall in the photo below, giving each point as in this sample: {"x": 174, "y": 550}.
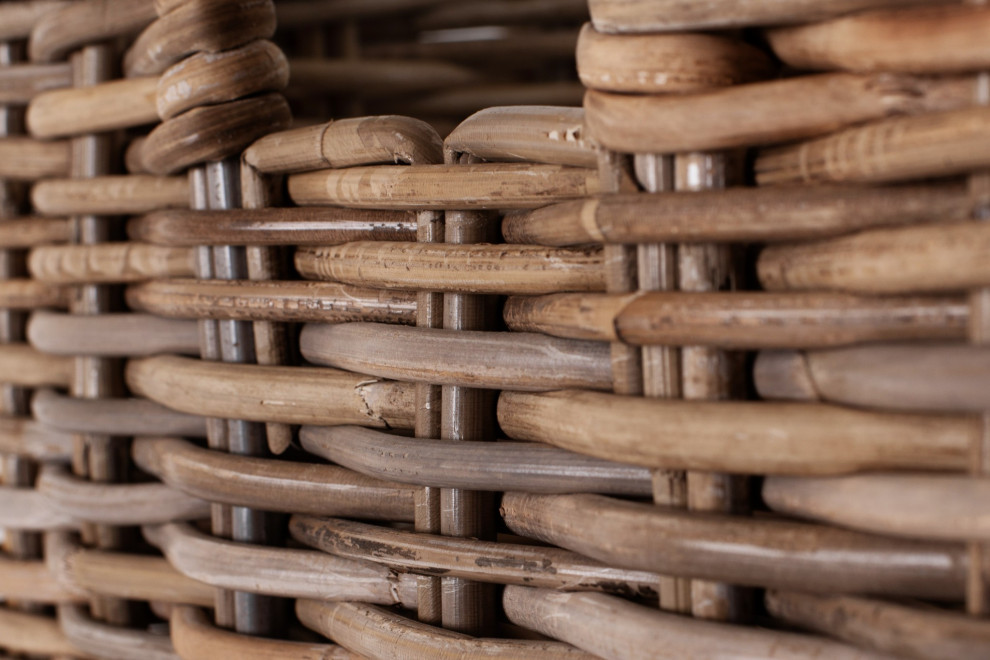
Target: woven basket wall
{"x": 494, "y": 329}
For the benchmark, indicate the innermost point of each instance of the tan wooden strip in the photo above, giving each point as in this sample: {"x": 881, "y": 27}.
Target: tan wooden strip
{"x": 99, "y": 108}
{"x": 378, "y": 633}
{"x": 115, "y": 335}
{"x": 744, "y": 320}
{"x": 110, "y": 195}
{"x": 496, "y": 466}
{"x": 109, "y": 263}
{"x": 925, "y": 258}
{"x": 272, "y": 226}
{"x": 909, "y": 377}
{"x": 935, "y": 39}
{"x": 116, "y": 504}
{"x": 765, "y": 112}
{"x": 28, "y": 438}
{"x": 29, "y": 232}
{"x": 26, "y": 509}
{"x": 17, "y": 19}
{"x": 270, "y": 485}
{"x": 478, "y": 186}
{"x": 91, "y": 21}
{"x": 19, "y": 83}
{"x": 466, "y": 358}
{"x": 485, "y": 268}
{"x": 248, "y": 300}
{"x": 22, "y": 365}
{"x": 30, "y": 580}
{"x": 487, "y": 561}
{"x": 278, "y": 571}
{"x": 762, "y": 552}
{"x": 27, "y": 159}
{"x": 916, "y": 632}
{"x": 921, "y": 506}
{"x": 34, "y": 634}
{"x": 115, "y": 417}
{"x": 743, "y": 437}
{"x": 290, "y": 395}
{"x": 31, "y": 294}
{"x": 737, "y": 214}
{"x": 611, "y": 627}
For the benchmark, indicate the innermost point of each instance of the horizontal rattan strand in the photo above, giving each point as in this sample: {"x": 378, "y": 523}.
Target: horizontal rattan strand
{"x": 495, "y": 466}
{"x": 59, "y": 32}
{"x": 272, "y": 226}
{"x": 518, "y": 48}
{"x": 924, "y": 258}
{"x": 485, "y": 561}
{"x": 922, "y": 506}
{"x": 459, "y": 102}
{"x": 765, "y": 112}
{"x": 614, "y": 628}
{"x": 30, "y": 580}
{"x": 738, "y": 436}
{"x": 111, "y": 335}
{"x": 19, "y": 83}
{"x": 940, "y": 39}
{"x": 739, "y": 320}
{"x": 26, "y": 509}
{"x": 108, "y": 641}
{"x": 20, "y": 364}
{"x": 109, "y": 263}
{"x": 27, "y": 159}
{"x": 286, "y": 301}
{"x": 288, "y": 395}
{"x": 34, "y": 634}
{"x": 270, "y": 485}
{"x": 124, "y": 575}
{"x": 109, "y": 106}
{"x": 116, "y": 504}
{"x": 212, "y": 78}
{"x": 477, "y": 186}
{"x": 489, "y": 360}
{"x": 279, "y": 571}
{"x": 189, "y": 27}
{"x": 374, "y": 78}
{"x": 110, "y": 195}
{"x": 915, "y": 632}
{"x": 28, "y": 438}
{"x": 738, "y": 214}
{"x": 60, "y": 414}
{"x": 537, "y": 134}
{"x": 195, "y": 638}
{"x": 664, "y": 15}
{"x": 485, "y": 268}
{"x": 357, "y": 141}
{"x": 746, "y": 551}
{"x": 667, "y": 63}
{"x": 31, "y": 294}
{"x": 29, "y": 232}
{"x": 502, "y": 12}
{"x": 930, "y": 145}
{"x": 17, "y": 19}
{"x": 378, "y": 633}
{"x": 908, "y": 377}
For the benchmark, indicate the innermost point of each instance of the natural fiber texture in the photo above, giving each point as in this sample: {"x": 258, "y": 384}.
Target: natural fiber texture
{"x": 494, "y": 328}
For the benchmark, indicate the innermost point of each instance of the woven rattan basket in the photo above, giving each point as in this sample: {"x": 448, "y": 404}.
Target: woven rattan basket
{"x": 379, "y": 329}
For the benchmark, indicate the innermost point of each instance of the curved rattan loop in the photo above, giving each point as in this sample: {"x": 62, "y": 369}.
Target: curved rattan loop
{"x": 738, "y": 320}
{"x": 288, "y": 395}
{"x": 77, "y": 23}
{"x": 210, "y": 79}
{"x": 111, "y": 642}
{"x": 757, "y": 215}
{"x": 115, "y": 335}
{"x": 272, "y": 226}
{"x": 755, "y": 552}
{"x": 279, "y": 571}
{"x": 666, "y": 63}
{"x": 271, "y": 485}
{"x": 378, "y": 633}
{"x": 198, "y": 25}
{"x": 489, "y": 466}
{"x": 212, "y": 132}
{"x": 195, "y": 638}
{"x": 780, "y": 438}
{"x": 115, "y": 417}
{"x": 245, "y": 300}
{"x": 501, "y": 563}
{"x": 116, "y": 504}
